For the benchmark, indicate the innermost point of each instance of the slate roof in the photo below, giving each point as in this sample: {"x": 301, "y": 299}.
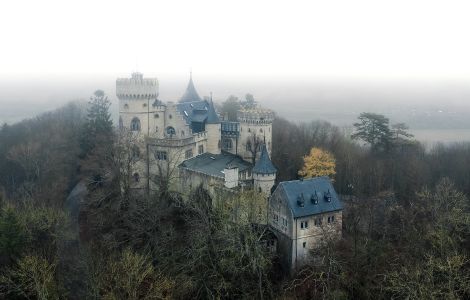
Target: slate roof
{"x": 304, "y": 191}
{"x": 190, "y": 95}
{"x": 264, "y": 164}
{"x": 214, "y": 164}
{"x": 212, "y": 117}
{"x": 200, "y": 111}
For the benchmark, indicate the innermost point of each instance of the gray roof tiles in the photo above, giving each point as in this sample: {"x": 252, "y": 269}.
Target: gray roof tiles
{"x": 214, "y": 164}
{"x": 304, "y": 192}
{"x": 190, "y": 95}
{"x": 264, "y": 164}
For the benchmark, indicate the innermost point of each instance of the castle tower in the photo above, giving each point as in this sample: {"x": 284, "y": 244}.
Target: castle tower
{"x": 264, "y": 173}
{"x": 213, "y": 130}
{"x": 255, "y": 130}
{"x": 136, "y": 96}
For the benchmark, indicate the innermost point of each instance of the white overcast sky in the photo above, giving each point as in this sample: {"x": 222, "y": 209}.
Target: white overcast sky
{"x": 352, "y": 39}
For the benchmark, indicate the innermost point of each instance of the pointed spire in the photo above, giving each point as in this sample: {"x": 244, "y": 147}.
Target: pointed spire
{"x": 212, "y": 117}
{"x": 264, "y": 164}
{"x": 190, "y": 95}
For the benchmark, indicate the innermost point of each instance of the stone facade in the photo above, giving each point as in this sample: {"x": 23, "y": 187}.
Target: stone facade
{"x": 171, "y": 133}
{"x": 302, "y": 213}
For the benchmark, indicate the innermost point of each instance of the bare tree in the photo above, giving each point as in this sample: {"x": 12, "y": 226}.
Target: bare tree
{"x": 253, "y": 145}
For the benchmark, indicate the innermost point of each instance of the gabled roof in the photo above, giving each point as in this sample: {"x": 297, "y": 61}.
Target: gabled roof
{"x": 301, "y": 196}
{"x": 194, "y": 111}
{"x": 190, "y": 95}
{"x": 264, "y": 164}
{"x": 214, "y": 164}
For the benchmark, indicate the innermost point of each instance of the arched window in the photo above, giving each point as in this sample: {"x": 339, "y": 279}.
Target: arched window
{"x": 261, "y": 130}
{"x": 170, "y": 131}
{"x": 136, "y": 177}
{"x": 135, "y": 124}
{"x": 135, "y": 152}
{"x": 126, "y": 106}
{"x": 156, "y": 128}
{"x": 156, "y": 116}
{"x": 248, "y": 146}
{"x": 227, "y": 144}
{"x": 182, "y": 132}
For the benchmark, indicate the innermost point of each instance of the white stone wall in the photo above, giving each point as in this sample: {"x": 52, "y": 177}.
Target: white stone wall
{"x": 264, "y": 182}
{"x": 294, "y": 236}
{"x": 254, "y": 122}
{"x": 231, "y": 177}
{"x": 213, "y": 138}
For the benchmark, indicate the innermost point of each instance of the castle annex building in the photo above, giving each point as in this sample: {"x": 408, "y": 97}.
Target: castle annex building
{"x": 188, "y": 141}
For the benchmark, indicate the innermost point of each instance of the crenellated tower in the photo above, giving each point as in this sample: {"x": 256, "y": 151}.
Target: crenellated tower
{"x": 137, "y": 107}
{"x": 255, "y": 130}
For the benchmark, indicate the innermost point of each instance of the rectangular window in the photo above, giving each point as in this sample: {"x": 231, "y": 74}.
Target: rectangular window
{"x": 161, "y": 155}
{"x": 188, "y": 154}
{"x": 301, "y": 225}
{"x": 318, "y": 222}
{"x": 306, "y": 224}
{"x": 332, "y": 218}
{"x": 304, "y": 244}
{"x": 200, "y": 149}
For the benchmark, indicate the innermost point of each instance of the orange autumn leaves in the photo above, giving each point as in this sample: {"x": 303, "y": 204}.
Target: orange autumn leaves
{"x": 318, "y": 163}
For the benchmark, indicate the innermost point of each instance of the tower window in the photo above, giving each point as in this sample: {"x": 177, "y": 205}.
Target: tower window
{"x": 126, "y": 106}
{"x": 156, "y": 116}
{"x": 227, "y": 144}
{"x": 261, "y": 130}
{"x": 170, "y": 131}
{"x": 200, "y": 149}
{"x": 136, "y": 177}
{"x": 144, "y": 105}
{"x": 161, "y": 155}
{"x": 135, "y": 152}
{"x": 135, "y": 124}
{"x": 170, "y": 116}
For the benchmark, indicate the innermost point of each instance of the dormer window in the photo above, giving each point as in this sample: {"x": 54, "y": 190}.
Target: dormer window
{"x": 300, "y": 200}
{"x": 327, "y": 196}
{"x": 314, "y": 198}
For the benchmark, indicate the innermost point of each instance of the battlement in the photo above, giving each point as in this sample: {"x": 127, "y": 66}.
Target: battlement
{"x": 255, "y": 115}
{"x": 136, "y": 87}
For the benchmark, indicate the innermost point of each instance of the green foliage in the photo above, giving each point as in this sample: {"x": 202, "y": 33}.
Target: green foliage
{"x": 230, "y": 107}
{"x": 374, "y": 130}
{"x": 98, "y": 123}
{"x": 33, "y": 277}
{"x": 13, "y": 237}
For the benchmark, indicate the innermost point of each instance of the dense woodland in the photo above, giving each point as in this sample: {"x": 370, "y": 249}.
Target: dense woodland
{"x": 406, "y": 225}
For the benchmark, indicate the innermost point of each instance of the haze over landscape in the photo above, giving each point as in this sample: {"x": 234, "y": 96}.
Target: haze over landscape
{"x": 326, "y": 60}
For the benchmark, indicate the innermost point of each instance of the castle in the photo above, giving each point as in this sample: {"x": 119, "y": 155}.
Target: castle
{"x": 189, "y": 143}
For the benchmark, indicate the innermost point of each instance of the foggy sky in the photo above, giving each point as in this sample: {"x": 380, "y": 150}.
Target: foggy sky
{"x": 327, "y": 39}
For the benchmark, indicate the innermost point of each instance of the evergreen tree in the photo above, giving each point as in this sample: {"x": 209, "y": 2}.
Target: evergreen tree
{"x": 98, "y": 123}
{"x": 374, "y": 130}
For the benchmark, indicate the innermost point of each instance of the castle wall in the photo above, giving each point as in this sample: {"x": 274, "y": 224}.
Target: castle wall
{"x": 254, "y": 123}
{"x": 213, "y": 138}
{"x": 264, "y": 182}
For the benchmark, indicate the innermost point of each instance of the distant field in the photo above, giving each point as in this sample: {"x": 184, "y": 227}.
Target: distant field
{"x": 433, "y": 136}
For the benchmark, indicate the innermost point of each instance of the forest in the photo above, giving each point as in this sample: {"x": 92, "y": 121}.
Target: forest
{"x": 405, "y": 235}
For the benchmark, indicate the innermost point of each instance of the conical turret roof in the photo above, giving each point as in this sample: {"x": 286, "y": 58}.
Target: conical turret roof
{"x": 190, "y": 95}
{"x": 264, "y": 164}
{"x": 212, "y": 117}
